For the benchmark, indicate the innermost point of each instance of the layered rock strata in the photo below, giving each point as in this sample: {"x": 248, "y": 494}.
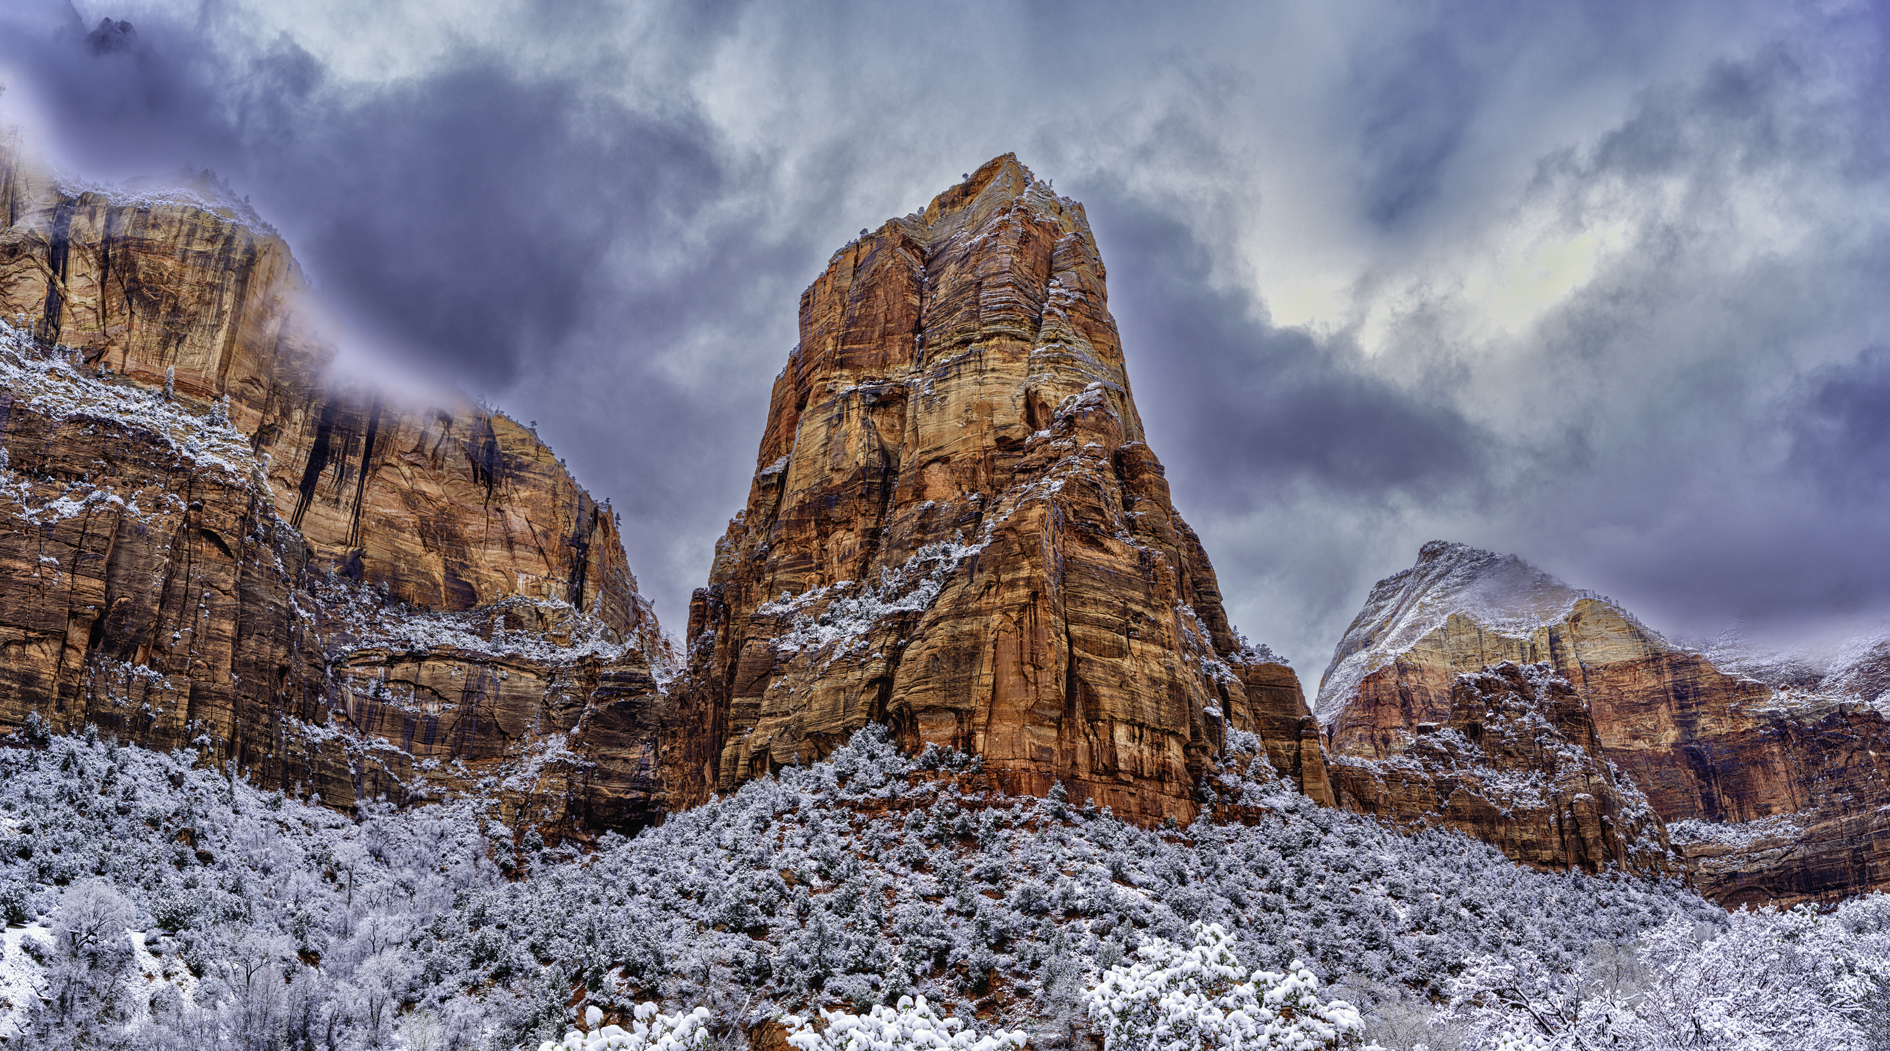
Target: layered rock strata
{"x": 210, "y": 541}
{"x": 1514, "y": 760}
{"x": 1768, "y": 796}
{"x": 443, "y": 503}
{"x": 957, "y": 527}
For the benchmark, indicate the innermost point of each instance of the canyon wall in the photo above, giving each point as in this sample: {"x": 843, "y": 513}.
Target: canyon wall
{"x": 212, "y": 540}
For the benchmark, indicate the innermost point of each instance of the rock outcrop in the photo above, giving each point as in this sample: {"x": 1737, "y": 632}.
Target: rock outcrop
{"x": 445, "y": 504}
{"x": 957, "y": 527}
{"x": 1515, "y": 761}
{"x": 211, "y": 540}
{"x": 1767, "y": 795}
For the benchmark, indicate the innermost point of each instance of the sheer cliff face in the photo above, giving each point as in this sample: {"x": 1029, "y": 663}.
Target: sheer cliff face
{"x": 957, "y": 528}
{"x": 335, "y": 590}
{"x": 1768, "y": 796}
{"x": 443, "y": 503}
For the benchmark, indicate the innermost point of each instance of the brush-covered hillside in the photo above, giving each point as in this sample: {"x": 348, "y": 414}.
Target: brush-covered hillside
{"x": 155, "y": 904}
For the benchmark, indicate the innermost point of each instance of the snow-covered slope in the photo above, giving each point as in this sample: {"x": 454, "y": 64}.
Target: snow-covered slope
{"x": 1852, "y": 669}
{"x": 1861, "y": 669}
{"x": 1502, "y": 593}
{"x": 1734, "y": 653}
{"x": 873, "y": 876}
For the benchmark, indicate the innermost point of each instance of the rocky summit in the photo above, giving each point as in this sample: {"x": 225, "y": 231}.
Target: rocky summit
{"x": 1476, "y": 692}
{"x": 957, "y": 528}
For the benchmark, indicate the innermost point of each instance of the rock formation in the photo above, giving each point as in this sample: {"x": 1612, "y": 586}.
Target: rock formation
{"x": 957, "y": 527}
{"x": 447, "y": 505}
{"x": 1513, "y": 760}
{"x": 210, "y": 540}
{"x": 1767, "y": 795}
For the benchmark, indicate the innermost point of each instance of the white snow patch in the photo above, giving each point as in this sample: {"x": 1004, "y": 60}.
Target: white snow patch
{"x": 1737, "y": 834}
{"x": 21, "y": 978}
{"x": 912, "y": 586}
{"x": 52, "y": 385}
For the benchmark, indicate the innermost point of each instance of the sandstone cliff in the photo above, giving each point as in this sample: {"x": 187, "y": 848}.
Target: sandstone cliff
{"x": 1514, "y": 760}
{"x": 957, "y": 527}
{"x": 445, "y": 504}
{"x": 1767, "y": 796}
{"x": 209, "y": 539}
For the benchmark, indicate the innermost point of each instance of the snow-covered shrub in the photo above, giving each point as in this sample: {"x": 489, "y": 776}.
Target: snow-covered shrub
{"x": 911, "y": 1025}
{"x": 1200, "y": 997}
{"x": 650, "y": 1030}
{"x": 1769, "y": 981}
{"x": 1515, "y": 1004}
{"x": 836, "y": 884}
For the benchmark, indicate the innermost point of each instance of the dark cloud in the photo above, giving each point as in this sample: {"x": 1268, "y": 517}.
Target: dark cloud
{"x": 1246, "y": 409}
{"x": 124, "y": 99}
{"x": 1841, "y": 430}
{"x": 470, "y": 215}
{"x": 1416, "y": 104}
{"x": 111, "y": 37}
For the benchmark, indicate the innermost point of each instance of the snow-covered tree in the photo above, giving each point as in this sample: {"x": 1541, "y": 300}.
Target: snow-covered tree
{"x": 1198, "y": 996}
{"x": 650, "y": 1030}
{"x": 1768, "y": 981}
{"x": 910, "y": 1025}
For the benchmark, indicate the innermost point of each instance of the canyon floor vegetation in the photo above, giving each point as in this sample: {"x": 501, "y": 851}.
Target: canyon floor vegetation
{"x": 154, "y": 903}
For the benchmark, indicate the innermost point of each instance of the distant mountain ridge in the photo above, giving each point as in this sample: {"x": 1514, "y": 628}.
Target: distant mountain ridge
{"x": 1504, "y": 594}
{"x": 1767, "y": 794}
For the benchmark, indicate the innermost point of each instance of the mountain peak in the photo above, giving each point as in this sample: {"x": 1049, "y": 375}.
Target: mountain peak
{"x": 1477, "y": 692}
{"x": 958, "y": 529}
{"x": 1436, "y": 549}
{"x": 1003, "y": 171}
{"x": 1502, "y": 593}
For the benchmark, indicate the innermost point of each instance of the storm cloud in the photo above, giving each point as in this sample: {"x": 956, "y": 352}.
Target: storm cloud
{"x": 1597, "y": 283}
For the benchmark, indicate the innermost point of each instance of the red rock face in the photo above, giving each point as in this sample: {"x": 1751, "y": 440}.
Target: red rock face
{"x": 958, "y": 528}
{"x": 1766, "y": 796}
{"x": 1275, "y": 712}
{"x": 444, "y": 504}
{"x": 1515, "y": 761}
{"x": 209, "y": 542}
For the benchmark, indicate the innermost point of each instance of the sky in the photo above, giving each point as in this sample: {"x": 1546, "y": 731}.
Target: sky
{"x": 1598, "y": 283}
